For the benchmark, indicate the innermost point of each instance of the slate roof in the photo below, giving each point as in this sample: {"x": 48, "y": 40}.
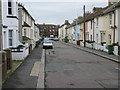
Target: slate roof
{"x": 100, "y": 12}
{"x": 112, "y": 8}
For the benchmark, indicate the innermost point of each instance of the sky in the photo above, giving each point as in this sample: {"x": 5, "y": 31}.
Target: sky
{"x": 57, "y": 11}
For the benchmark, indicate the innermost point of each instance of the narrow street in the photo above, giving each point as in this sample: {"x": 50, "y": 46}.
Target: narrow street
{"x": 68, "y": 67}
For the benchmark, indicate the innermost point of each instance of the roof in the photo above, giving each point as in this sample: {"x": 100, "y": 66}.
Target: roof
{"x": 26, "y": 11}
{"x": 92, "y": 15}
{"x": 112, "y": 8}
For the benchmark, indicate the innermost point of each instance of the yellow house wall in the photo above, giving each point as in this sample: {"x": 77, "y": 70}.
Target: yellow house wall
{"x": 108, "y": 30}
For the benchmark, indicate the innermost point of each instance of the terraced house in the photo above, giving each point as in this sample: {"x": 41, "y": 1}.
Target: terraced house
{"x": 63, "y": 31}
{"x": 19, "y": 31}
{"x": 101, "y": 29}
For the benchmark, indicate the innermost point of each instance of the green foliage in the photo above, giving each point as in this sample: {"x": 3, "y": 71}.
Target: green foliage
{"x": 20, "y": 46}
{"x": 38, "y": 43}
{"x": 66, "y": 40}
{"x": 110, "y": 49}
{"x": 88, "y": 41}
{"x": 115, "y": 44}
{"x": 102, "y": 43}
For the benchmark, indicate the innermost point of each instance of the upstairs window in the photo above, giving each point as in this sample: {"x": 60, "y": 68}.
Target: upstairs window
{"x": 9, "y": 7}
{"x": 25, "y": 32}
{"x": 91, "y": 24}
{"x": 110, "y": 18}
{"x": 110, "y": 39}
{"x": 97, "y": 21}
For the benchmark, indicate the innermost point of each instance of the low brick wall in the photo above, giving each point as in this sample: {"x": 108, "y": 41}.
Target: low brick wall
{"x": 20, "y": 55}
{"x": 4, "y": 65}
{"x": 9, "y": 58}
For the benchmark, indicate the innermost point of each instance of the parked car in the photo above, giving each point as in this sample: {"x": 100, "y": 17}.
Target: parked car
{"x": 47, "y": 44}
{"x": 56, "y": 39}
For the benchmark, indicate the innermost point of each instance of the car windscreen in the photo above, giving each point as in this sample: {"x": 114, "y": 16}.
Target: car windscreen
{"x": 47, "y": 41}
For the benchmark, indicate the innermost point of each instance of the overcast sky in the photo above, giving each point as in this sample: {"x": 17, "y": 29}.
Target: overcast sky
{"x": 57, "y": 11}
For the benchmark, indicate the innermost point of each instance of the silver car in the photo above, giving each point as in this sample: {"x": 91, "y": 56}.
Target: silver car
{"x": 47, "y": 44}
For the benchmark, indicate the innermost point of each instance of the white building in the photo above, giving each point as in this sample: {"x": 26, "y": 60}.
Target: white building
{"x": 26, "y": 27}
{"x": 71, "y": 33}
{"x": 112, "y": 1}
{"x": 62, "y": 30}
{"x": 118, "y": 24}
{"x": 1, "y": 26}
{"x": 36, "y": 33}
{"x": 10, "y": 24}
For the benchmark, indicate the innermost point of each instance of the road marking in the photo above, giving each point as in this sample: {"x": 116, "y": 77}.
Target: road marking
{"x": 35, "y": 69}
{"x": 41, "y": 77}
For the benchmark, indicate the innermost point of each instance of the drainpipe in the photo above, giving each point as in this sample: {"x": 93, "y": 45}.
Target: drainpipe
{"x": 114, "y": 27}
{"x": 1, "y": 41}
{"x": 93, "y": 30}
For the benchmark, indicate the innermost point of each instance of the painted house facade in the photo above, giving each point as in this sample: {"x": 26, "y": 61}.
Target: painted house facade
{"x": 63, "y": 32}
{"x": 10, "y": 24}
{"x": 36, "y": 33}
{"x": 26, "y": 27}
{"x": 1, "y": 43}
{"x": 101, "y": 29}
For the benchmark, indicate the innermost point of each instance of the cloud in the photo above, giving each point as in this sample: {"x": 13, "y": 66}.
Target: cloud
{"x": 57, "y": 12}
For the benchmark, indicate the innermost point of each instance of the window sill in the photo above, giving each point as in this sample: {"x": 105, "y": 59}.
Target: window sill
{"x": 11, "y": 16}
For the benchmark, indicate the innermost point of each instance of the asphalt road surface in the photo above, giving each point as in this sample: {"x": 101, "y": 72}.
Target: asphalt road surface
{"x": 21, "y": 78}
{"x": 68, "y": 67}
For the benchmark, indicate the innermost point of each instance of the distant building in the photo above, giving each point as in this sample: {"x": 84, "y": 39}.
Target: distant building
{"x": 63, "y": 32}
{"x": 48, "y": 30}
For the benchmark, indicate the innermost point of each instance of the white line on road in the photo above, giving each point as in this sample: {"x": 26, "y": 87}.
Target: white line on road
{"x": 35, "y": 69}
{"x": 41, "y": 77}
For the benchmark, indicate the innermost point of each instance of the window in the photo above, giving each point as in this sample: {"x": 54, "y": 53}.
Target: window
{"x": 9, "y": 7}
{"x": 91, "y": 37}
{"x": 102, "y": 37}
{"x": 110, "y": 18}
{"x": 109, "y": 39}
{"x": 91, "y": 24}
{"x": 24, "y": 32}
{"x": 10, "y": 37}
{"x": 97, "y": 38}
{"x": 97, "y": 21}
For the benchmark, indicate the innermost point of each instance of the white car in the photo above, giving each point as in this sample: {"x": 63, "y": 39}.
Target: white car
{"x": 47, "y": 44}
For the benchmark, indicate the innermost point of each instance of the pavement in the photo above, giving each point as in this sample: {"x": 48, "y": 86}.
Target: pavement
{"x": 26, "y": 76}
{"x": 69, "y": 67}
{"x": 96, "y": 52}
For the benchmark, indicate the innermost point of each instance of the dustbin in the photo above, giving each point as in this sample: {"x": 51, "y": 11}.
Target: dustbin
{"x": 110, "y": 49}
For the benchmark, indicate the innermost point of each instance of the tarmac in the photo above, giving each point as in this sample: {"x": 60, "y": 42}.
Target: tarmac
{"x": 96, "y": 52}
